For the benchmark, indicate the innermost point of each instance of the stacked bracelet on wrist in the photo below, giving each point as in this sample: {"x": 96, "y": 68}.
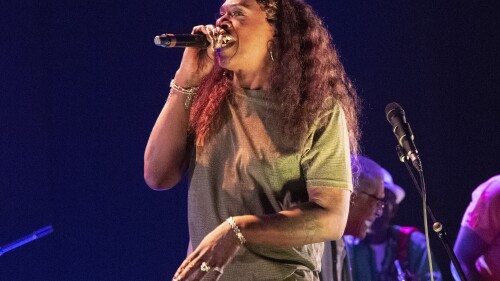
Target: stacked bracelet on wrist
{"x": 189, "y": 92}
{"x": 236, "y": 230}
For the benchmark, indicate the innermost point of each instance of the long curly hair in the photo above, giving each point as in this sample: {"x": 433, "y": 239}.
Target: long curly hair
{"x": 306, "y": 72}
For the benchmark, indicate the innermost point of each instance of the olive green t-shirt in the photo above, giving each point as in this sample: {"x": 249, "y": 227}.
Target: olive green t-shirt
{"x": 249, "y": 167}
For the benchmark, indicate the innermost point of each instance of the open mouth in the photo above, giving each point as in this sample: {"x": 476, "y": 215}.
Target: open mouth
{"x": 223, "y": 41}
{"x": 226, "y": 39}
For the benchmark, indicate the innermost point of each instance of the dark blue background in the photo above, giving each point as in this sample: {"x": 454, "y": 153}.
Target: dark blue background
{"x": 81, "y": 85}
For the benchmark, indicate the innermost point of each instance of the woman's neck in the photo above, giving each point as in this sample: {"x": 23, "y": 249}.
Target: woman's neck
{"x": 253, "y": 80}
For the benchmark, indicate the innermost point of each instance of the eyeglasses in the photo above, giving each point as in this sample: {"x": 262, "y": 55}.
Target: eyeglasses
{"x": 380, "y": 203}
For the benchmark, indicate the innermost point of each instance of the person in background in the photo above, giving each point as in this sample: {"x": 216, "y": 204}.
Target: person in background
{"x": 367, "y": 203}
{"x": 388, "y": 247}
{"x": 262, "y": 123}
{"x": 478, "y": 242}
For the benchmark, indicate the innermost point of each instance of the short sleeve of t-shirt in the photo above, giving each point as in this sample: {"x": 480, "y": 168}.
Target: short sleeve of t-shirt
{"x": 326, "y": 157}
{"x": 483, "y": 213}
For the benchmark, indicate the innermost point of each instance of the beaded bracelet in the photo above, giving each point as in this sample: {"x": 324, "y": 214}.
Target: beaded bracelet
{"x": 189, "y": 92}
{"x": 236, "y": 230}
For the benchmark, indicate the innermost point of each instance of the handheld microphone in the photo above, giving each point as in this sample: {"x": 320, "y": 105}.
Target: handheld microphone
{"x": 188, "y": 40}
{"x": 396, "y": 117}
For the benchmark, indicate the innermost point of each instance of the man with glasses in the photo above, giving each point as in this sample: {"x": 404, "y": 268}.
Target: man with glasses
{"x": 367, "y": 203}
{"x": 388, "y": 247}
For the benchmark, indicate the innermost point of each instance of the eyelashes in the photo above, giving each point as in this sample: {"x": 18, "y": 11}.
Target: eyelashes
{"x": 231, "y": 14}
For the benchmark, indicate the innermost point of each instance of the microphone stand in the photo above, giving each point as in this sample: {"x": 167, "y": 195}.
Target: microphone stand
{"x": 436, "y": 226}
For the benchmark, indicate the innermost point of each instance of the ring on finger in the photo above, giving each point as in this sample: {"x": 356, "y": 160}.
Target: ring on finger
{"x": 204, "y": 267}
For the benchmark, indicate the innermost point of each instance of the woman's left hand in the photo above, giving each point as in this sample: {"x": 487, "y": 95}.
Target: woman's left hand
{"x": 215, "y": 251}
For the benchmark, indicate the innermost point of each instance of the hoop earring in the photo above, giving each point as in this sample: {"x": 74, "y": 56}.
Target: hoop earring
{"x": 269, "y": 48}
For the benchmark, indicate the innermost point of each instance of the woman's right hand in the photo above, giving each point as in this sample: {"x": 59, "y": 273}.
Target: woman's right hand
{"x": 196, "y": 63}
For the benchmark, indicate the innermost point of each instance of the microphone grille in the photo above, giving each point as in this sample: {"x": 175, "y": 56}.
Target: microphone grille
{"x": 392, "y": 109}
{"x": 157, "y": 40}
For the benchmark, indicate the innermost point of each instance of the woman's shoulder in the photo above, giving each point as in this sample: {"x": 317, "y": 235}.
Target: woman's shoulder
{"x": 330, "y": 111}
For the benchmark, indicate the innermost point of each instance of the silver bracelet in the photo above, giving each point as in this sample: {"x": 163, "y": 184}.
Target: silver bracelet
{"x": 236, "y": 230}
{"x": 189, "y": 92}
